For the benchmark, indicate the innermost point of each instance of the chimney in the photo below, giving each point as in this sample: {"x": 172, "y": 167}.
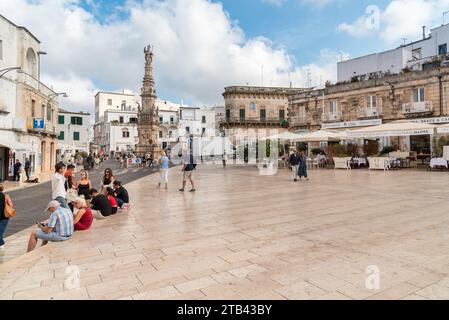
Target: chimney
{"x": 424, "y": 32}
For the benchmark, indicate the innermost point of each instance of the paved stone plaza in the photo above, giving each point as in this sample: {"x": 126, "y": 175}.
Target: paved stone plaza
{"x": 246, "y": 236}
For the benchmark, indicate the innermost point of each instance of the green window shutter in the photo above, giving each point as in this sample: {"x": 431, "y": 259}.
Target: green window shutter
{"x": 61, "y": 135}
{"x": 73, "y": 120}
{"x": 80, "y": 120}
{"x": 76, "y": 136}
{"x": 61, "y": 119}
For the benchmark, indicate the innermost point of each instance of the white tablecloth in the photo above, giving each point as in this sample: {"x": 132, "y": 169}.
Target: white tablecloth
{"x": 360, "y": 161}
{"x": 438, "y": 162}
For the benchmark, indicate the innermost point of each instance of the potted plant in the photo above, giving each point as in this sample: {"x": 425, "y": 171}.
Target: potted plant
{"x": 342, "y": 155}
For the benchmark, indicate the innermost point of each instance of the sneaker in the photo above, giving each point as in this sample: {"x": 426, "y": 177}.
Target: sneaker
{"x": 296, "y": 180}
{"x": 181, "y": 190}
{"x": 193, "y": 190}
{"x": 2, "y": 247}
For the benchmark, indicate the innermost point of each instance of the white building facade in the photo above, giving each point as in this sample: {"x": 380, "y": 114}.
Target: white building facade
{"x": 28, "y": 108}
{"x": 111, "y": 101}
{"x": 73, "y": 133}
{"x": 414, "y": 56}
{"x": 119, "y": 132}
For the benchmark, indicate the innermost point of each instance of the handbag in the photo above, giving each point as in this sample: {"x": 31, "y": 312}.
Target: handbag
{"x": 9, "y": 211}
{"x": 72, "y": 195}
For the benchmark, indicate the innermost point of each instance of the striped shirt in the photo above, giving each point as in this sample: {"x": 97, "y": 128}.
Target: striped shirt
{"x": 62, "y": 222}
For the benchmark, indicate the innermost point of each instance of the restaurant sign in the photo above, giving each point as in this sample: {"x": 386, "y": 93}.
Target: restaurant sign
{"x": 438, "y": 120}
{"x": 393, "y": 133}
{"x": 352, "y": 124}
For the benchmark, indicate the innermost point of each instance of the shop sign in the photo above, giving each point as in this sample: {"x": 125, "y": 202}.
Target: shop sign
{"x": 431, "y": 120}
{"x": 352, "y": 124}
{"x": 38, "y": 123}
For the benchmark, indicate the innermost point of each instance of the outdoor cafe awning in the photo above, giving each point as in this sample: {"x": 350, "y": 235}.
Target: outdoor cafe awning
{"x": 394, "y": 129}
{"x": 319, "y": 136}
{"x": 285, "y": 136}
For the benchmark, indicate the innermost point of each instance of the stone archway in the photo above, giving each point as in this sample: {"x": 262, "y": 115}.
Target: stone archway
{"x": 31, "y": 63}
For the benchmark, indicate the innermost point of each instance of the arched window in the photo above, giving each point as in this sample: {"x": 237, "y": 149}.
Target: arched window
{"x": 31, "y": 65}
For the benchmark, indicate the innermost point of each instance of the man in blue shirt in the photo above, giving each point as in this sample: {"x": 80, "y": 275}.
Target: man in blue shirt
{"x": 59, "y": 227}
{"x": 163, "y": 171}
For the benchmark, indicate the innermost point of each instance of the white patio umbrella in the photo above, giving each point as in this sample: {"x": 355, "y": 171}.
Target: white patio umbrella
{"x": 394, "y": 129}
{"x": 319, "y": 136}
{"x": 285, "y": 136}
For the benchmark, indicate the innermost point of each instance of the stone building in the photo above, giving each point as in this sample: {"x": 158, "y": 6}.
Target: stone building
{"x": 414, "y": 96}
{"x": 73, "y": 130}
{"x": 256, "y": 109}
{"x": 28, "y": 108}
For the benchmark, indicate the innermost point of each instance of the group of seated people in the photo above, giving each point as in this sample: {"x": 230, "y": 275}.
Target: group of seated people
{"x": 64, "y": 221}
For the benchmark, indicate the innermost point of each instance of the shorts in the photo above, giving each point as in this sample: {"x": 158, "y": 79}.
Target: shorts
{"x": 52, "y": 236}
{"x": 188, "y": 175}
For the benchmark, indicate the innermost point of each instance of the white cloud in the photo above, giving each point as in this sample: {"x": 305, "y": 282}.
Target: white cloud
{"x": 356, "y": 29}
{"x": 198, "y": 50}
{"x": 400, "y": 19}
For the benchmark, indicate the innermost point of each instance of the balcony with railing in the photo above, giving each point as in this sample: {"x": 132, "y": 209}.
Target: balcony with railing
{"x": 261, "y": 121}
{"x": 300, "y": 120}
{"x": 365, "y": 113}
{"x": 332, "y": 116}
{"x": 32, "y": 82}
{"x": 49, "y": 127}
{"x": 412, "y": 108}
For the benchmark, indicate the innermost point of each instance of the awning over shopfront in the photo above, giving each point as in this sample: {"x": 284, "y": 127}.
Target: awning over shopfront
{"x": 285, "y": 136}
{"x": 394, "y": 129}
{"x": 320, "y": 136}
{"x": 8, "y": 139}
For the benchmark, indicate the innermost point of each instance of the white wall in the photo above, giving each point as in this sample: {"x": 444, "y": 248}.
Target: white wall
{"x": 101, "y": 103}
{"x": 399, "y": 58}
{"x": 69, "y": 129}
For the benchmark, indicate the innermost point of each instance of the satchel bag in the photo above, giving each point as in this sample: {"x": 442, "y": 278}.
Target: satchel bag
{"x": 9, "y": 212}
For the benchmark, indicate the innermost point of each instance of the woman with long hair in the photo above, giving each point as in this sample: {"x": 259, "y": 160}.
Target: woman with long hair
{"x": 84, "y": 185}
{"x": 107, "y": 180}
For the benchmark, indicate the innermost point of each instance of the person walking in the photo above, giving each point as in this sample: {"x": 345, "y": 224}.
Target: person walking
{"x": 84, "y": 185}
{"x": 17, "y": 167}
{"x": 294, "y": 161}
{"x": 58, "y": 184}
{"x": 224, "y": 158}
{"x": 163, "y": 170}
{"x": 4, "y": 200}
{"x": 187, "y": 169}
{"x": 302, "y": 172}
{"x": 28, "y": 169}
{"x": 97, "y": 162}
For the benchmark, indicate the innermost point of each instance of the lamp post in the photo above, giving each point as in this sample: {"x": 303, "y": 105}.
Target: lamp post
{"x": 5, "y": 71}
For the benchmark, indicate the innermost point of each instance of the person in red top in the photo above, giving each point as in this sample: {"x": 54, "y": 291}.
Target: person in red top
{"x": 112, "y": 199}
{"x": 83, "y": 218}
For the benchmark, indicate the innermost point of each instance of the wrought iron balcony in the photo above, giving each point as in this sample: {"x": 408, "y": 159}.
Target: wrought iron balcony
{"x": 417, "y": 107}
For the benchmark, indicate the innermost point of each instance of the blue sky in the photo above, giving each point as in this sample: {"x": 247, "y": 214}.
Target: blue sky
{"x": 203, "y": 46}
{"x": 302, "y": 28}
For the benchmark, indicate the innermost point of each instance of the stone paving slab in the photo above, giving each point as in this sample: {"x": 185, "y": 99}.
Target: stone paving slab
{"x": 246, "y": 236}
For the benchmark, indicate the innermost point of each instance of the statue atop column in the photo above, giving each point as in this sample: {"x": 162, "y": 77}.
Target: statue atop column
{"x": 148, "y": 118}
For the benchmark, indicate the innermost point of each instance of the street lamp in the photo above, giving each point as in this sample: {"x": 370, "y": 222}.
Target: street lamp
{"x": 5, "y": 71}
{"x": 54, "y": 95}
